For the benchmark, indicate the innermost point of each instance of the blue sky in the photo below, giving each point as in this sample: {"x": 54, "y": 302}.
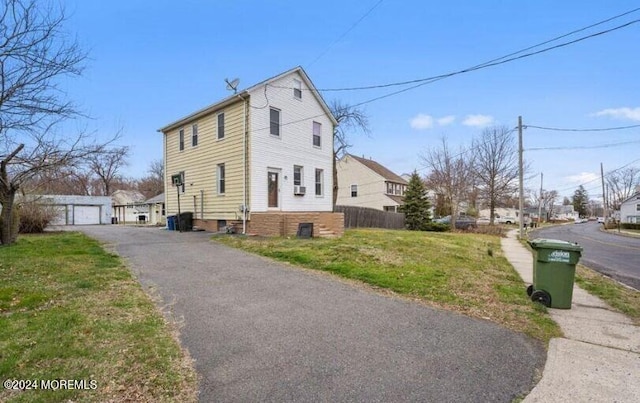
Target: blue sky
{"x": 152, "y": 62}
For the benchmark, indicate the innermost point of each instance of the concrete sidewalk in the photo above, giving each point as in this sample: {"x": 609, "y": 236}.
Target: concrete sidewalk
{"x": 598, "y": 360}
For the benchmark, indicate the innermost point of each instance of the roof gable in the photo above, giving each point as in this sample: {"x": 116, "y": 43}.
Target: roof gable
{"x": 242, "y": 95}
{"x": 379, "y": 169}
{"x": 121, "y": 197}
{"x": 635, "y": 196}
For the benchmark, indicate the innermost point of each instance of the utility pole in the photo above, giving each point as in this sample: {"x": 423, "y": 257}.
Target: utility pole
{"x": 604, "y": 197}
{"x": 540, "y": 202}
{"x": 521, "y": 201}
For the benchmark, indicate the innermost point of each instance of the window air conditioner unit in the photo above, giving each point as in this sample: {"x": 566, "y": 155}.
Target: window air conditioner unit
{"x": 299, "y": 190}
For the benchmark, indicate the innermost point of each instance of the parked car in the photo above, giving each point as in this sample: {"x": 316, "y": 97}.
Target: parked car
{"x": 462, "y": 222}
{"x": 505, "y": 220}
{"x": 483, "y": 221}
{"x": 600, "y": 220}
{"x": 580, "y": 221}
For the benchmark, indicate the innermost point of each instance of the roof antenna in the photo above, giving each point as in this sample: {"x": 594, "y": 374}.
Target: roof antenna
{"x": 233, "y": 85}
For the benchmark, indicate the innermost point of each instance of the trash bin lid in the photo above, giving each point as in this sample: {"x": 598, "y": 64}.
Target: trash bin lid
{"x": 542, "y": 243}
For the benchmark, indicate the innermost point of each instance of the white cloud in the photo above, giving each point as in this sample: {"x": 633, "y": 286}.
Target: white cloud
{"x": 478, "y": 120}
{"x": 446, "y": 120}
{"x": 422, "y": 121}
{"x": 582, "y": 177}
{"x": 621, "y": 113}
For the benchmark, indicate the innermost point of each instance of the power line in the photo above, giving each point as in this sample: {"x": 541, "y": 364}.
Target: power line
{"x": 583, "y": 147}
{"x": 355, "y": 24}
{"x": 430, "y": 80}
{"x": 605, "y": 129}
{"x": 503, "y": 59}
{"x": 598, "y": 178}
{"x": 441, "y": 77}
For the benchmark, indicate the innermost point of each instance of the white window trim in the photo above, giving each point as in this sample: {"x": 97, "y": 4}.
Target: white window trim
{"x": 315, "y": 182}
{"x": 313, "y": 134}
{"x": 279, "y": 135}
{"x": 224, "y": 128}
{"x": 224, "y": 178}
{"x": 301, "y": 175}
{"x": 181, "y": 146}
{"x": 351, "y": 190}
{"x": 297, "y": 85}
{"x": 195, "y": 133}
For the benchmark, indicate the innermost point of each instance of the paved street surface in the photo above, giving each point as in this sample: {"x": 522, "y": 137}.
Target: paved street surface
{"x": 268, "y": 332}
{"x": 614, "y": 255}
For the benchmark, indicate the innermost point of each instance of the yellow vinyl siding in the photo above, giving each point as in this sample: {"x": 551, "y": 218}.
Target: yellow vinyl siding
{"x": 200, "y": 165}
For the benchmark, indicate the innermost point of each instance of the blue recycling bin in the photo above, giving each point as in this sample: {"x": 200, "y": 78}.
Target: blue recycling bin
{"x": 171, "y": 223}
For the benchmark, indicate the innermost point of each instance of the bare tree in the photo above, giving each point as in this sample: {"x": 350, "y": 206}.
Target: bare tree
{"x": 622, "y": 185}
{"x": 450, "y": 175}
{"x": 34, "y": 53}
{"x": 495, "y": 165}
{"x": 153, "y": 184}
{"x": 350, "y": 119}
{"x": 106, "y": 166}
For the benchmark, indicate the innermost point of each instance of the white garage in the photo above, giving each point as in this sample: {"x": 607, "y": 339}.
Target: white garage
{"x": 79, "y": 210}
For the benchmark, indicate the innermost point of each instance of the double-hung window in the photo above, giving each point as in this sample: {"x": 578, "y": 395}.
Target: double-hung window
{"x": 319, "y": 182}
{"x": 194, "y": 135}
{"x": 297, "y": 175}
{"x": 274, "y": 120}
{"x": 354, "y": 190}
{"x": 317, "y": 131}
{"x": 297, "y": 89}
{"x": 220, "y": 126}
{"x": 181, "y": 138}
{"x": 221, "y": 179}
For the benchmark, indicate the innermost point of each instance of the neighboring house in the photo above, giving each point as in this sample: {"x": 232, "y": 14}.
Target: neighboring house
{"x": 365, "y": 183}
{"x": 565, "y": 212}
{"x": 630, "y": 209}
{"x": 156, "y": 207}
{"x": 259, "y": 160}
{"x": 129, "y": 207}
{"x": 76, "y": 210}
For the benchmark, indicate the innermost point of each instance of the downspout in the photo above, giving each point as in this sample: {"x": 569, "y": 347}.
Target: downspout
{"x": 202, "y": 205}
{"x": 244, "y": 166}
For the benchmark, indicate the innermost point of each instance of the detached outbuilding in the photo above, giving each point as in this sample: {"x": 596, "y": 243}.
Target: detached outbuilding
{"x": 78, "y": 210}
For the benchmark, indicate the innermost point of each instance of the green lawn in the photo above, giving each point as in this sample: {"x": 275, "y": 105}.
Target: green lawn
{"x": 70, "y": 310}
{"x": 621, "y": 298}
{"x": 462, "y": 272}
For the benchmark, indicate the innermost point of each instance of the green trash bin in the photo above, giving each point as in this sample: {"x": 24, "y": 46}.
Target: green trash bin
{"x": 554, "y": 269}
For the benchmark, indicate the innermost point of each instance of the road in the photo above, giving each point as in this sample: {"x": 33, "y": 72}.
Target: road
{"x": 614, "y": 255}
{"x": 262, "y": 331}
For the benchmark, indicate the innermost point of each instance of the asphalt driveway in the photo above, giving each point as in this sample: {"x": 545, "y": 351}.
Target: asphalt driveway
{"x": 268, "y": 332}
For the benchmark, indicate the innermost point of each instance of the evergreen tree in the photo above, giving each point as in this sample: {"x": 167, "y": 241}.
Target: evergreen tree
{"x": 416, "y": 205}
{"x": 580, "y": 201}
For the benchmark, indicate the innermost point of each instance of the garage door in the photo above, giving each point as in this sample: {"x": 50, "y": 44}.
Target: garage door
{"x": 86, "y": 215}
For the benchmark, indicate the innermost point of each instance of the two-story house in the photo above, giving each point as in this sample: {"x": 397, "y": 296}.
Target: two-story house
{"x": 365, "y": 183}
{"x": 260, "y": 160}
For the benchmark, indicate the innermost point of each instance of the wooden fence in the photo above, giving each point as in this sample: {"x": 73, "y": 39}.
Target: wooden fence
{"x": 355, "y": 217}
